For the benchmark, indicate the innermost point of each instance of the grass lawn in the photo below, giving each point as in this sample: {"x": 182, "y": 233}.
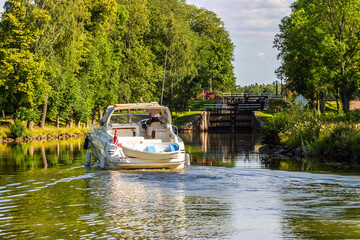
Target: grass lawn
{"x": 198, "y": 105}
{"x": 182, "y": 118}
{"x": 266, "y": 115}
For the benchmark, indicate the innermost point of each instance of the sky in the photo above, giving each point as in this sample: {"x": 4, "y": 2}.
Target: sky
{"x": 252, "y": 25}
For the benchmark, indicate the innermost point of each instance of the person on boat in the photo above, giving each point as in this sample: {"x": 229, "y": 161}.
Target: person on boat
{"x": 155, "y": 115}
{"x": 151, "y": 119}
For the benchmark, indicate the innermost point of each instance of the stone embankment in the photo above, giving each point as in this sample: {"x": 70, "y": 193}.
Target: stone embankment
{"x": 282, "y": 151}
{"x": 200, "y": 122}
{"x": 39, "y": 138}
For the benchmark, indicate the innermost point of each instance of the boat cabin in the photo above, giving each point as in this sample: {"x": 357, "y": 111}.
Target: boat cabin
{"x": 139, "y": 122}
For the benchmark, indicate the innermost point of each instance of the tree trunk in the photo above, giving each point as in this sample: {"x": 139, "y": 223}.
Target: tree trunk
{"x": 338, "y": 105}
{"x": 345, "y": 96}
{"x": 314, "y": 104}
{"x": 43, "y": 116}
{"x": 345, "y": 99}
{"x": 57, "y": 121}
{"x": 78, "y": 123}
{"x": 3, "y": 114}
{"x": 318, "y": 103}
{"x": 322, "y": 102}
{"x": 30, "y": 125}
{"x": 71, "y": 119}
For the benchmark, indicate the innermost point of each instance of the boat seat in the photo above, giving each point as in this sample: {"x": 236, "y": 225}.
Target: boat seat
{"x": 154, "y": 126}
{"x": 125, "y": 131}
{"x": 162, "y": 134}
{"x": 151, "y": 149}
{"x": 132, "y": 140}
{"x": 173, "y": 147}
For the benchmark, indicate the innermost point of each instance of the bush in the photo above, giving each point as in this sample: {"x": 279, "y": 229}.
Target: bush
{"x": 278, "y": 126}
{"x": 302, "y": 133}
{"x": 343, "y": 138}
{"x": 325, "y": 136}
{"x": 17, "y": 129}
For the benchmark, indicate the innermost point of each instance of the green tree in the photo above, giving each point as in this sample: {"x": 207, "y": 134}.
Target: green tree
{"x": 215, "y": 51}
{"x": 22, "y": 72}
{"x": 70, "y": 59}
{"x": 319, "y": 48}
{"x": 172, "y": 41}
{"x": 139, "y": 72}
{"x": 64, "y": 44}
{"x": 100, "y": 70}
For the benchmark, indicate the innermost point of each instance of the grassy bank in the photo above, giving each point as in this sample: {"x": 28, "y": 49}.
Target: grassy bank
{"x": 6, "y": 126}
{"x": 195, "y": 108}
{"x": 329, "y": 136}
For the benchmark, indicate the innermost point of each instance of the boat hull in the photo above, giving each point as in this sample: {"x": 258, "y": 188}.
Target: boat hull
{"x": 150, "y": 155}
{"x": 148, "y": 165}
{"x": 120, "y": 159}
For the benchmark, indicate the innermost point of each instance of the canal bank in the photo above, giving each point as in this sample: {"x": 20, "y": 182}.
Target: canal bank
{"x": 39, "y": 138}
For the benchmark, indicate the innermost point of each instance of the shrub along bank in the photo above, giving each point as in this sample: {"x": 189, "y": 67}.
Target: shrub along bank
{"x": 328, "y": 136}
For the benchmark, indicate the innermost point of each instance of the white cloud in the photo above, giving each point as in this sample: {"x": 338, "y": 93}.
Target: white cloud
{"x": 2, "y": 3}
{"x": 261, "y": 56}
{"x": 248, "y": 16}
{"x": 252, "y": 25}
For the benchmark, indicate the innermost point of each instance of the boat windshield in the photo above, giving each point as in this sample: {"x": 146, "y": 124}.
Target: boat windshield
{"x": 128, "y": 118}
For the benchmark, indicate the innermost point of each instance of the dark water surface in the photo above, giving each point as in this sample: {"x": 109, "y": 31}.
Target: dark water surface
{"x": 228, "y": 193}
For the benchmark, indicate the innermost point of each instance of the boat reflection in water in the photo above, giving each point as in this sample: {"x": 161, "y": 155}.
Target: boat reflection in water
{"x": 154, "y": 203}
{"x": 219, "y": 149}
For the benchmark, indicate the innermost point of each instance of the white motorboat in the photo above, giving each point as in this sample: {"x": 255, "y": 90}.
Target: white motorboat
{"x": 138, "y": 135}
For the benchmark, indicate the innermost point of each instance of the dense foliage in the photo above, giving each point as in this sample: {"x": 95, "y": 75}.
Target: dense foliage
{"x": 319, "y": 49}
{"x": 68, "y": 60}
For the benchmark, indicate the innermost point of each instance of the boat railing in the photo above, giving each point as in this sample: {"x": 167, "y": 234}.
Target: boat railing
{"x": 176, "y": 129}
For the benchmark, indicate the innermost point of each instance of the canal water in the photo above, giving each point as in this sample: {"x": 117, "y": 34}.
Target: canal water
{"x": 229, "y": 192}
